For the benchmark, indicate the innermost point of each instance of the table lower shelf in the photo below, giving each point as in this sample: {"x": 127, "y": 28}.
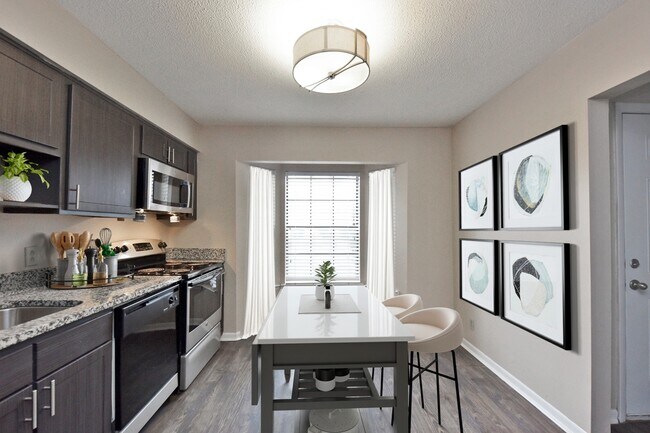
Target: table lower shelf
{"x": 358, "y": 391}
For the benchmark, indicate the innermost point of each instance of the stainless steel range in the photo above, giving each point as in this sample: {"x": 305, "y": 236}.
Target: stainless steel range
{"x": 201, "y": 300}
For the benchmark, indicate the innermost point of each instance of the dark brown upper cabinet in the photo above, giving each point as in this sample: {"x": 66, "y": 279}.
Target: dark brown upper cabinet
{"x": 158, "y": 145}
{"x": 101, "y": 156}
{"x": 33, "y": 100}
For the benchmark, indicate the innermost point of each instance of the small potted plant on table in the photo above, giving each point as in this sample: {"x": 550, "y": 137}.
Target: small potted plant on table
{"x": 14, "y": 182}
{"x": 325, "y": 273}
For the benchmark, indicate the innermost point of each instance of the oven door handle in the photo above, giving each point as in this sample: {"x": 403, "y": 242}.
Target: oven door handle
{"x": 200, "y": 280}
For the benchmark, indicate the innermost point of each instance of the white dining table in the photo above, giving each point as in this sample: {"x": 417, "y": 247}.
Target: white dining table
{"x": 302, "y": 343}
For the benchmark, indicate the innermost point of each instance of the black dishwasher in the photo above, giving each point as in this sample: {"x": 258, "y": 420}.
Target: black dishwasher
{"x": 146, "y": 358}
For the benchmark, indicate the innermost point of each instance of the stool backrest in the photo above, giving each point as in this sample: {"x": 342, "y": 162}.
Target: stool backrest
{"x": 448, "y": 333}
{"x": 409, "y": 302}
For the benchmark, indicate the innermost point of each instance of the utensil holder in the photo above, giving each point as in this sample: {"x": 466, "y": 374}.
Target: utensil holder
{"x": 61, "y": 266}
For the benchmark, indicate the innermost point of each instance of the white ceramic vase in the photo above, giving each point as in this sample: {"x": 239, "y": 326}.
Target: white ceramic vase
{"x": 320, "y": 292}
{"x": 111, "y": 262}
{"x": 15, "y": 189}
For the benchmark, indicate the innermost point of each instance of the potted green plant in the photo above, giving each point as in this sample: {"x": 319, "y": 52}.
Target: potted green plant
{"x": 14, "y": 182}
{"x": 325, "y": 273}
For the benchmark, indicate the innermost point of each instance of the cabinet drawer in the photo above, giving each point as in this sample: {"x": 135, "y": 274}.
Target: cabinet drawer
{"x": 66, "y": 346}
{"x": 16, "y": 368}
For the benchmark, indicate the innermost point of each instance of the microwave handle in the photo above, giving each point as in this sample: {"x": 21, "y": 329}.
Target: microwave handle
{"x": 188, "y": 185}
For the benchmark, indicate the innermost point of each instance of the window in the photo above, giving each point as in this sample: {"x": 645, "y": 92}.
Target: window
{"x": 321, "y": 223}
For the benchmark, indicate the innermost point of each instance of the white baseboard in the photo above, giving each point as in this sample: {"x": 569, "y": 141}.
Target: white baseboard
{"x": 231, "y": 336}
{"x": 545, "y": 407}
{"x": 613, "y": 416}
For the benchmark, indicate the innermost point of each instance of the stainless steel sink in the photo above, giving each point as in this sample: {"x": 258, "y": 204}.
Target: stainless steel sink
{"x": 16, "y": 315}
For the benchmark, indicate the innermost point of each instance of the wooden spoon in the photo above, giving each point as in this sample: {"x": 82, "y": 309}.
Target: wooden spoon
{"x": 55, "y": 238}
{"x": 84, "y": 240}
{"x": 67, "y": 240}
{"x": 76, "y": 240}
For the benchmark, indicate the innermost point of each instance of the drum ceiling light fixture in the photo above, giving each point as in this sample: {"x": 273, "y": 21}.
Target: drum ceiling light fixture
{"x": 331, "y": 59}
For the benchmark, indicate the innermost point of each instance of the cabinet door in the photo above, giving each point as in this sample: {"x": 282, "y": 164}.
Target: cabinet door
{"x": 154, "y": 144}
{"x": 34, "y": 98}
{"x": 16, "y": 412}
{"x": 77, "y": 398}
{"x": 178, "y": 155}
{"x": 101, "y": 163}
{"x": 191, "y": 162}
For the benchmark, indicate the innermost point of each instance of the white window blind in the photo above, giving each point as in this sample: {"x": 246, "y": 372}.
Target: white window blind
{"x": 321, "y": 223}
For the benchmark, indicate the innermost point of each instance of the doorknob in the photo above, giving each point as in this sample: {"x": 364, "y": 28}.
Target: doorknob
{"x": 637, "y": 285}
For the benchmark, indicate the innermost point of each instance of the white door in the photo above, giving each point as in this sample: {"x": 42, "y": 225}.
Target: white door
{"x": 635, "y": 135}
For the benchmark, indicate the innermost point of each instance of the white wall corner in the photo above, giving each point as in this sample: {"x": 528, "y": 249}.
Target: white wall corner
{"x": 231, "y": 336}
{"x": 542, "y": 405}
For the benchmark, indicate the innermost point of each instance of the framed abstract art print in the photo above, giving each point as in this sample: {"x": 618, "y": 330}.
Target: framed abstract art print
{"x": 477, "y": 195}
{"x": 479, "y": 273}
{"x": 534, "y": 183}
{"x": 535, "y": 289}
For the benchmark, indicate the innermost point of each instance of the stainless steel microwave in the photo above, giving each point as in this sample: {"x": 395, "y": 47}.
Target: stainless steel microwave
{"x": 163, "y": 188}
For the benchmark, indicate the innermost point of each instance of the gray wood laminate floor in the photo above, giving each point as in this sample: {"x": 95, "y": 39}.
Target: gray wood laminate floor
{"x": 219, "y": 402}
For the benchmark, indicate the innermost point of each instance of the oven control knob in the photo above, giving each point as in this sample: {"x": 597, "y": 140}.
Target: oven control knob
{"x": 124, "y": 248}
{"x": 162, "y": 244}
{"x": 172, "y": 299}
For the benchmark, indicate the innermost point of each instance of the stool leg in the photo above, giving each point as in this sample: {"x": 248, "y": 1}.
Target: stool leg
{"x": 410, "y": 389}
{"x": 460, "y": 415}
{"x": 421, "y": 389}
{"x": 373, "y": 373}
{"x": 438, "y": 390}
{"x": 381, "y": 386}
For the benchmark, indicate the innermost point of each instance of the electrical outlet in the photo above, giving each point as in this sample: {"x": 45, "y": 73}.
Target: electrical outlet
{"x": 471, "y": 324}
{"x": 34, "y": 257}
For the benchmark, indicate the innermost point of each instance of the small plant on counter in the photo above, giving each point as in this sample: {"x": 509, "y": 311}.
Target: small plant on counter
{"x": 107, "y": 251}
{"x": 325, "y": 273}
{"x": 17, "y": 165}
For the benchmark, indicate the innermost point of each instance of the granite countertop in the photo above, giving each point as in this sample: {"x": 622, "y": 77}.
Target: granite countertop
{"x": 82, "y": 302}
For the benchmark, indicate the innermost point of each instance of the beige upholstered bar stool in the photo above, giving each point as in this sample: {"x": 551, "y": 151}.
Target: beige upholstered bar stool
{"x": 400, "y": 306}
{"x": 436, "y": 330}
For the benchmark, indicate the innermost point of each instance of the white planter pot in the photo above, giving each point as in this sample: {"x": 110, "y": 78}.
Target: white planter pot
{"x": 320, "y": 292}
{"x": 14, "y": 189}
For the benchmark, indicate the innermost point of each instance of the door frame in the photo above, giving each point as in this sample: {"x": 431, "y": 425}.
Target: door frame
{"x": 619, "y": 251}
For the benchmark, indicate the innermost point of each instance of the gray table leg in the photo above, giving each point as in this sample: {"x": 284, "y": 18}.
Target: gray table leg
{"x": 266, "y": 385}
{"x": 401, "y": 388}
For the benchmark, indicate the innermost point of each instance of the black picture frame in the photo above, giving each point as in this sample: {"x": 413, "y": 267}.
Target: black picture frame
{"x": 489, "y": 303}
{"x": 464, "y": 211}
{"x": 563, "y": 298}
{"x": 548, "y": 153}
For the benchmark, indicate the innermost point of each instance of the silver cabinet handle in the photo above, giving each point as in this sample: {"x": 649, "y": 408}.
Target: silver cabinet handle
{"x": 34, "y": 400}
{"x": 52, "y": 406}
{"x": 78, "y": 196}
{"x": 169, "y": 153}
{"x": 638, "y": 285}
{"x": 173, "y": 155}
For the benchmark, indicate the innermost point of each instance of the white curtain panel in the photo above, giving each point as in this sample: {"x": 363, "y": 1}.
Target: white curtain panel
{"x": 260, "y": 287}
{"x": 380, "y": 269}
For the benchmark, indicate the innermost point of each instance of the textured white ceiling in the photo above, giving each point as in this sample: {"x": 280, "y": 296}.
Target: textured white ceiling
{"x": 432, "y": 61}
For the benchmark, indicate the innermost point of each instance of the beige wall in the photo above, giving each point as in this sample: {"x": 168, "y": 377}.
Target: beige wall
{"x": 556, "y": 92}
{"x": 423, "y": 156}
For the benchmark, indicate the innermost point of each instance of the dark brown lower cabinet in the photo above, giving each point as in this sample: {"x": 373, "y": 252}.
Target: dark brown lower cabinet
{"x": 16, "y": 412}
{"x": 77, "y": 397}
{"x": 62, "y": 377}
